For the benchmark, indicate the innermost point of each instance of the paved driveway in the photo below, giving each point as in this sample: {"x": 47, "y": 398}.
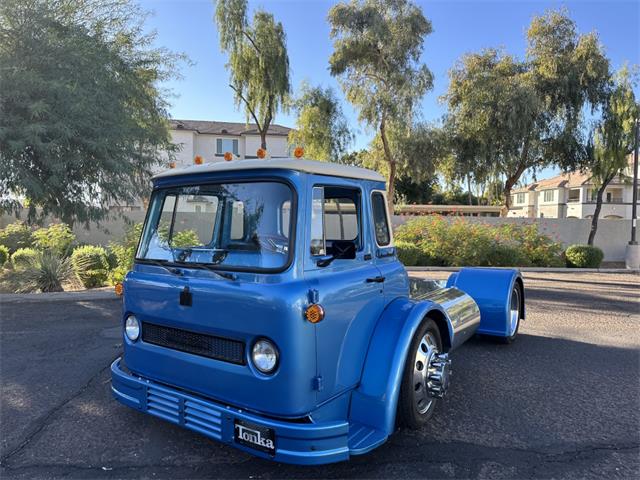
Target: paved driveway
{"x": 563, "y": 401}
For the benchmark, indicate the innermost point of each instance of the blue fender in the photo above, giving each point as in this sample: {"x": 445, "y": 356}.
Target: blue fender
{"x": 491, "y": 289}
{"x": 375, "y": 401}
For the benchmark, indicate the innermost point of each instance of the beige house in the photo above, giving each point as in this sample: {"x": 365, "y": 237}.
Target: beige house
{"x": 211, "y": 140}
{"x": 573, "y": 195}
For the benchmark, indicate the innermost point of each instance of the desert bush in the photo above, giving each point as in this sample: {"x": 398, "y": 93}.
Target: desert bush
{"x": 462, "y": 243}
{"x": 21, "y": 257}
{"x": 15, "y": 236}
{"x": 44, "y": 272}
{"x": 185, "y": 238}
{"x": 90, "y": 265}
{"x": 583, "y": 256}
{"x": 4, "y": 255}
{"x": 57, "y": 237}
{"x": 408, "y": 253}
{"x": 120, "y": 255}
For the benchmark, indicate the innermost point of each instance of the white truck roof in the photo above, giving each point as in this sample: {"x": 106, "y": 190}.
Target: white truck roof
{"x": 301, "y": 165}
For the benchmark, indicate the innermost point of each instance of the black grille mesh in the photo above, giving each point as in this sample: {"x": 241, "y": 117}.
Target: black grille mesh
{"x": 196, "y": 343}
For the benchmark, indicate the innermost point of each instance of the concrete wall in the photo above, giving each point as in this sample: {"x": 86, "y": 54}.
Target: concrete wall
{"x": 612, "y": 236}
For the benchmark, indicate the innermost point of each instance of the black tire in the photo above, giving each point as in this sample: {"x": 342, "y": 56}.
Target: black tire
{"x": 409, "y": 414}
{"x": 516, "y": 293}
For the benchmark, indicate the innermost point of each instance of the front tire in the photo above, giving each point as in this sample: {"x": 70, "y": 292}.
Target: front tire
{"x": 416, "y": 405}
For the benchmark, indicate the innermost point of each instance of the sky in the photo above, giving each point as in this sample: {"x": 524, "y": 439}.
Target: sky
{"x": 459, "y": 27}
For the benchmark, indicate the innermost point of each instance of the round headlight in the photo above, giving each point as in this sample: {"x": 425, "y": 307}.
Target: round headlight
{"x": 264, "y": 356}
{"x": 132, "y": 328}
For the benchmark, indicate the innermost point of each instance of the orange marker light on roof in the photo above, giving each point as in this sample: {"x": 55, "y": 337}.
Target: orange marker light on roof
{"x": 261, "y": 153}
{"x": 172, "y": 164}
{"x": 298, "y": 152}
{"x": 314, "y": 313}
{"x": 198, "y": 160}
{"x": 228, "y": 156}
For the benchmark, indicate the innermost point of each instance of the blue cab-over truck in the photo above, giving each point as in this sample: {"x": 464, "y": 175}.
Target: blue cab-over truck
{"x": 267, "y": 309}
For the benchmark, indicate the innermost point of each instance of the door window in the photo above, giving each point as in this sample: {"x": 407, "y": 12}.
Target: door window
{"x": 380, "y": 220}
{"x": 335, "y": 215}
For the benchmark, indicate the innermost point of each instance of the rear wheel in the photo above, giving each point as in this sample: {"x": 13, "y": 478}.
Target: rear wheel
{"x": 425, "y": 378}
{"x": 515, "y": 309}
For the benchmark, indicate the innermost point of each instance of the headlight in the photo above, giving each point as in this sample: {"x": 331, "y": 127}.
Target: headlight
{"x": 132, "y": 328}
{"x": 265, "y": 356}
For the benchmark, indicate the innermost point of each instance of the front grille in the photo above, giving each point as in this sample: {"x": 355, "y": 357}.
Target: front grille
{"x": 219, "y": 348}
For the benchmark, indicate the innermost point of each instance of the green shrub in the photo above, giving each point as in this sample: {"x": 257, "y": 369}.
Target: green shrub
{"x": 408, "y": 253}
{"x": 185, "y": 238}
{"x": 22, "y": 257}
{"x": 57, "y": 237}
{"x": 583, "y": 256}
{"x": 464, "y": 243}
{"x": 45, "y": 271}
{"x": 91, "y": 265}
{"x": 15, "y": 236}
{"x": 4, "y": 255}
{"x": 121, "y": 255}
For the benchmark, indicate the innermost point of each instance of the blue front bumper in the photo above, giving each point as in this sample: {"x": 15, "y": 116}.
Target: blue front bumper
{"x": 298, "y": 443}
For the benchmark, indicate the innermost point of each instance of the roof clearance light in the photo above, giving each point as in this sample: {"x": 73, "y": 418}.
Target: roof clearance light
{"x": 228, "y": 156}
{"x": 172, "y": 164}
{"x": 261, "y": 153}
{"x": 198, "y": 160}
{"x": 298, "y": 152}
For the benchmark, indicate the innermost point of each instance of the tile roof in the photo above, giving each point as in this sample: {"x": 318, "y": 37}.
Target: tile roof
{"x": 225, "y": 128}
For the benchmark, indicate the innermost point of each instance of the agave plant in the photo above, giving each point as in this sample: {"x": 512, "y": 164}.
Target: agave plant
{"x": 45, "y": 272}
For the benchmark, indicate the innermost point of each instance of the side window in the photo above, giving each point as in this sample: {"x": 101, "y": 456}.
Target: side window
{"x": 318, "y": 246}
{"x": 237, "y": 220}
{"x": 380, "y": 221}
{"x": 335, "y": 216}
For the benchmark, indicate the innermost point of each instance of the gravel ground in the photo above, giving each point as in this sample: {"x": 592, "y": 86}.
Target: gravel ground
{"x": 562, "y": 402}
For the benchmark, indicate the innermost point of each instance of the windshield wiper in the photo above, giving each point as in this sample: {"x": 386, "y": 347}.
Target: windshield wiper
{"x": 163, "y": 264}
{"x": 206, "y": 266}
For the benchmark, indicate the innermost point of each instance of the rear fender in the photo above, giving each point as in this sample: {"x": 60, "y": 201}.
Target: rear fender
{"x": 375, "y": 400}
{"x": 491, "y": 289}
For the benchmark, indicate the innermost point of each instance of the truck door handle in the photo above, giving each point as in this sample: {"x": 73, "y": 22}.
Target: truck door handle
{"x": 375, "y": 280}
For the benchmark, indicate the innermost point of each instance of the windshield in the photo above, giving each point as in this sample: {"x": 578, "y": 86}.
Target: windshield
{"x": 242, "y": 226}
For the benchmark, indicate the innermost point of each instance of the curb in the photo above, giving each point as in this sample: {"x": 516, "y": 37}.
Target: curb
{"x": 104, "y": 293}
{"x": 534, "y": 269}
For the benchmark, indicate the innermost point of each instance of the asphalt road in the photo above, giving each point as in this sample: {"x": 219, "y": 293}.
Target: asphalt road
{"x": 563, "y": 401}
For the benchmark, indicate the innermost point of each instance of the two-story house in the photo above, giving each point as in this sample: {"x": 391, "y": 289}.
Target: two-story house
{"x": 573, "y": 195}
{"x": 211, "y": 140}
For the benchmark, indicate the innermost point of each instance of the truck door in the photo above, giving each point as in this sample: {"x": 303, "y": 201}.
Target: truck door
{"x": 349, "y": 290}
{"x": 396, "y": 281}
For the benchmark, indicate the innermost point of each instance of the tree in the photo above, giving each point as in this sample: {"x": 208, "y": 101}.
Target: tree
{"x": 416, "y": 149}
{"x": 613, "y": 140}
{"x": 377, "y": 47}
{"x": 519, "y": 115}
{"x": 82, "y": 116}
{"x": 258, "y": 61}
{"x": 321, "y": 127}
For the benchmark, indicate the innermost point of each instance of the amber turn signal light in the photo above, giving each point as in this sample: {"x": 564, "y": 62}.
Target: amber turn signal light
{"x": 119, "y": 289}
{"x": 314, "y": 313}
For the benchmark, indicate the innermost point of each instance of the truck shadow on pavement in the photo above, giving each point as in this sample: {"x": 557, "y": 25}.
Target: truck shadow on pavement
{"x": 538, "y": 408}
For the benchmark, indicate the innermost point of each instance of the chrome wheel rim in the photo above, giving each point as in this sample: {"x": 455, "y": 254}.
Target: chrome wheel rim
{"x": 427, "y": 348}
{"x": 514, "y": 312}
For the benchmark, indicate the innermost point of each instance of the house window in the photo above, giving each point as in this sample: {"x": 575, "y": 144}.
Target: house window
{"x": 614, "y": 195}
{"x": 520, "y": 198}
{"x": 574, "y": 195}
{"x": 224, "y": 145}
{"x": 548, "y": 195}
